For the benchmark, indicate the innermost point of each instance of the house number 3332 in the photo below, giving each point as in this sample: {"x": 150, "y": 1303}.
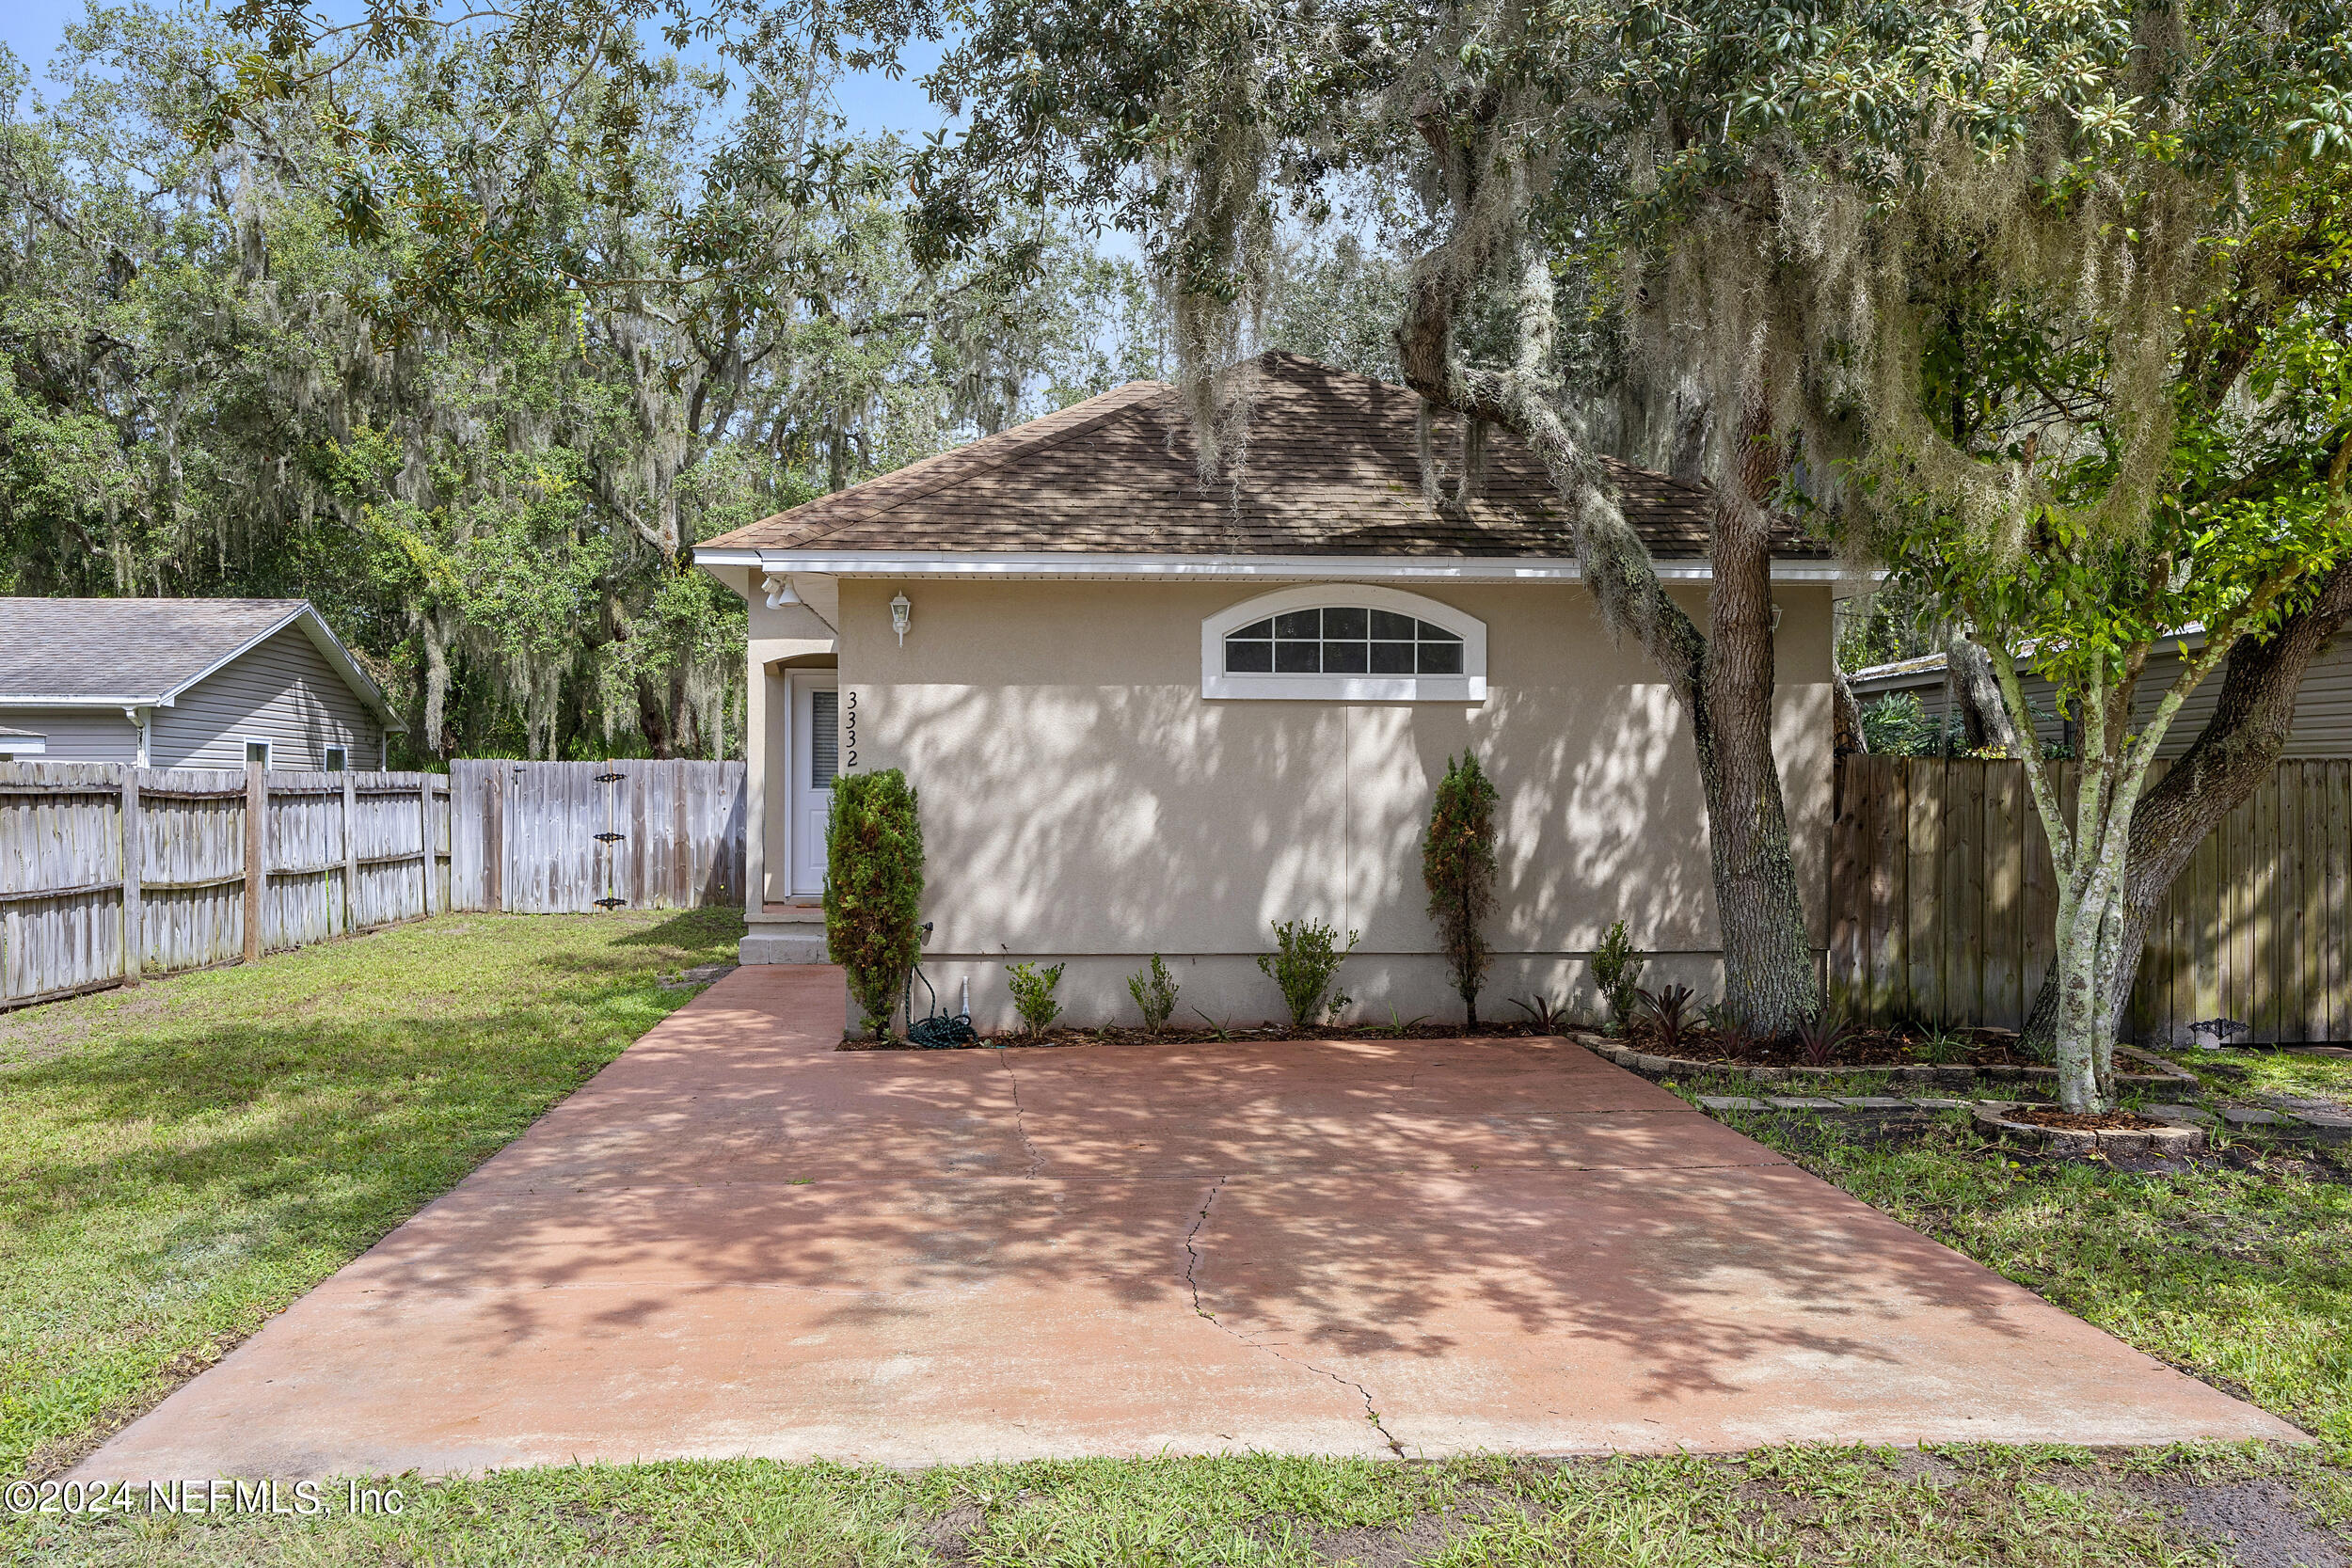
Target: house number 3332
{"x": 848, "y": 734}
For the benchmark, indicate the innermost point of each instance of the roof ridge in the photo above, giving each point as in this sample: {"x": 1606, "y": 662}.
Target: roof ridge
{"x": 1332, "y": 466}
{"x": 970, "y": 461}
{"x": 1295, "y": 359}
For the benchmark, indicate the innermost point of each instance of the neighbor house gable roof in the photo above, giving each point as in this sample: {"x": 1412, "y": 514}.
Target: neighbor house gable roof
{"x": 1331, "y": 469}
{"x": 144, "y": 653}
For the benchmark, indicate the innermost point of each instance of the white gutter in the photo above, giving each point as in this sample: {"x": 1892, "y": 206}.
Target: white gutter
{"x": 11, "y": 700}
{"x": 1082, "y": 564}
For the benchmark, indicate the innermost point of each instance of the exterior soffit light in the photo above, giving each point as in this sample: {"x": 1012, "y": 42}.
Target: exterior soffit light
{"x": 779, "y": 591}
{"x": 900, "y": 610}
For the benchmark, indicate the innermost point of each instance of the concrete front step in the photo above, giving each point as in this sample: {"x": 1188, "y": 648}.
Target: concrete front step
{"x": 783, "y": 944}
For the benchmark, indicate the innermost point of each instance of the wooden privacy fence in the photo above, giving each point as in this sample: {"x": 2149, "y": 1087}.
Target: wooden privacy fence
{"x": 561, "y": 837}
{"x": 1943, "y": 903}
{"x": 109, "y": 873}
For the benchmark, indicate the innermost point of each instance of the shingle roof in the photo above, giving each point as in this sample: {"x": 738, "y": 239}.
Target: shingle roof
{"x": 144, "y": 651}
{"x": 1331, "y": 469}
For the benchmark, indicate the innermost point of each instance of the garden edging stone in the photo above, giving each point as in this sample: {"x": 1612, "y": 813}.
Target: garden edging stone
{"x": 2164, "y": 1074}
{"x": 2177, "y": 1139}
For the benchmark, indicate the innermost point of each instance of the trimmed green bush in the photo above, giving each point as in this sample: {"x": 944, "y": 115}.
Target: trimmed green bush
{"x": 1307, "y": 954}
{"x": 1617, "y": 971}
{"x": 874, "y": 889}
{"x": 1457, "y": 865}
{"x": 1033, "y": 995}
{"x": 1155, "y": 990}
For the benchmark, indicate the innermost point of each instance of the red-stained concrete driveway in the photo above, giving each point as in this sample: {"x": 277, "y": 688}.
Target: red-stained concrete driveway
{"x": 738, "y": 1240}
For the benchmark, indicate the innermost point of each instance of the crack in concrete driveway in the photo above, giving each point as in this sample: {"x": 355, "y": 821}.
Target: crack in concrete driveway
{"x": 1192, "y": 1254}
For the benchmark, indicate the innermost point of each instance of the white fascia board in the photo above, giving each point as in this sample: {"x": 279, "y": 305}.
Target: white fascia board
{"x": 325, "y": 640}
{"x": 44, "y": 699}
{"x": 170, "y": 697}
{"x": 1269, "y": 568}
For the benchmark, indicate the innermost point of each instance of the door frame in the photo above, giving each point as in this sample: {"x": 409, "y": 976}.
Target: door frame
{"x": 796, "y": 681}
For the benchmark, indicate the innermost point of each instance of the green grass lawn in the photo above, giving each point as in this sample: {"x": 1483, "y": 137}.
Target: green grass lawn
{"x": 184, "y": 1160}
{"x": 2248, "y": 1074}
{"x": 1949, "y": 1508}
{"x": 181, "y": 1160}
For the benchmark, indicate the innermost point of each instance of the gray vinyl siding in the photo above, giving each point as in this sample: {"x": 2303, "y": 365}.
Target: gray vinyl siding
{"x": 281, "y": 690}
{"x": 2322, "y": 709}
{"x": 77, "y": 733}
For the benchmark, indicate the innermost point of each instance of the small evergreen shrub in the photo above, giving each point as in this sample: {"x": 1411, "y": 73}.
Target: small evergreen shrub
{"x": 1900, "y": 725}
{"x": 1617, "y": 971}
{"x": 1155, "y": 990}
{"x": 1307, "y": 954}
{"x": 1033, "y": 995}
{"x": 874, "y": 889}
{"x": 1457, "y": 865}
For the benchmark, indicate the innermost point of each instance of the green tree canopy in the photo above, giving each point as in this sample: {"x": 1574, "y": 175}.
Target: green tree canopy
{"x": 216, "y": 384}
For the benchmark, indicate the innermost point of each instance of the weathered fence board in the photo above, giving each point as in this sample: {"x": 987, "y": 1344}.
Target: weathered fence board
{"x": 1944, "y": 906}
{"x": 676, "y": 834}
{"x": 109, "y": 873}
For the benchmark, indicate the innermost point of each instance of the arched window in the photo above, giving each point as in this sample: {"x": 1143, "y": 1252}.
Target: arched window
{"x": 1341, "y": 642}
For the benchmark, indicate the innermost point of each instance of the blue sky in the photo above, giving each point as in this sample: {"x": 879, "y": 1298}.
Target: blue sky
{"x": 34, "y": 28}
{"x": 870, "y": 102}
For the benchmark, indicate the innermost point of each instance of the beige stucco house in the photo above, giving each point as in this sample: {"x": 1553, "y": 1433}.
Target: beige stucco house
{"x": 1148, "y": 716}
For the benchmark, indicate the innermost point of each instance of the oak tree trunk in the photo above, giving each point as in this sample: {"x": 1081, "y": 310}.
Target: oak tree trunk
{"x": 1847, "y": 714}
{"x": 1723, "y": 676}
{"x": 1977, "y": 694}
{"x": 1768, "y": 959}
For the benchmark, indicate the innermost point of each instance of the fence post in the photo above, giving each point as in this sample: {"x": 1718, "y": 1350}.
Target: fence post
{"x": 133, "y": 936}
{"x": 351, "y": 853}
{"x": 256, "y": 841}
{"x": 424, "y": 836}
{"x": 494, "y": 840}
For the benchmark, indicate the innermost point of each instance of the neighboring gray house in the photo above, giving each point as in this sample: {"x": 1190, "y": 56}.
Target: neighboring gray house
{"x": 185, "y": 683}
{"x": 2322, "y": 707}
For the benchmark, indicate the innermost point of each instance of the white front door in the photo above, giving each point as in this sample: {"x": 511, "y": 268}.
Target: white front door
{"x": 816, "y": 757}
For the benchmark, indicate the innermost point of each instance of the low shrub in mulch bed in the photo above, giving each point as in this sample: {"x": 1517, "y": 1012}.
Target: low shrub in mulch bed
{"x": 1114, "y": 1035}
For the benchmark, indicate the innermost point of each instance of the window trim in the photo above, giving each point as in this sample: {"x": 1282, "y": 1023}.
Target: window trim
{"x": 1467, "y": 687}
{"x": 269, "y": 752}
{"x": 329, "y": 759}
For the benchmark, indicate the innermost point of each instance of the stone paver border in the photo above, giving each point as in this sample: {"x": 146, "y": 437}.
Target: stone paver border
{"x": 2179, "y": 1138}
{"x": 2314, "y": 1126}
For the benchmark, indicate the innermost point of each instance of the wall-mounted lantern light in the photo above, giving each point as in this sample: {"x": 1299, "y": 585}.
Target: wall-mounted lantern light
{"x": 779, "y": 591}
{"x": 900, "y": 610}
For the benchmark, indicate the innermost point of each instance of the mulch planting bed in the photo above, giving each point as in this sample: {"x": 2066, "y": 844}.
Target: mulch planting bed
{"x": 2074, "y": 1122}
{"x": 1958, "y": 1059}
{"x": 1860, "y": 1048}
{"x": 1112, "y": 1034}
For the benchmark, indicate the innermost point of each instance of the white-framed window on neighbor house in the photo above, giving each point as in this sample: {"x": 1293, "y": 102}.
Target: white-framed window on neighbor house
{"x": 1343, "y": 642}
{"x": 257, "y": 751}
{"x": 337, "y": 760}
